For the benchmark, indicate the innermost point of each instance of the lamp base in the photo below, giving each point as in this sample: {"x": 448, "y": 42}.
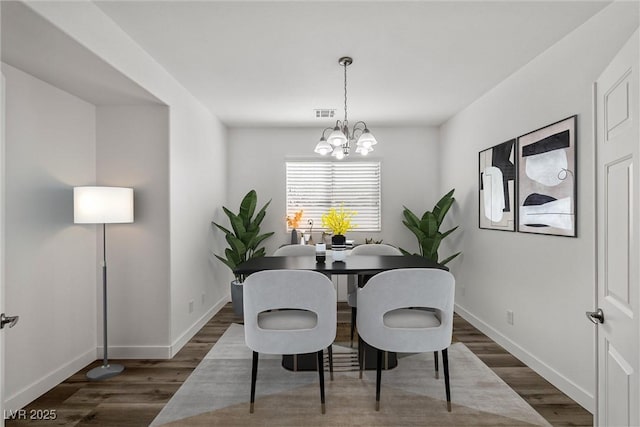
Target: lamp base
{"x": 104, "y": 372}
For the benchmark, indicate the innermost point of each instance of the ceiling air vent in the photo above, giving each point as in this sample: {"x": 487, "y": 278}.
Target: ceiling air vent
{"x": 325, "y": 113}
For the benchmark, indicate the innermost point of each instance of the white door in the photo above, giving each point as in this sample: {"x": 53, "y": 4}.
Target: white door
{"x": 8, "y": 321}
{"x": 2, "y": 123}
{"x": 618, "y": 233}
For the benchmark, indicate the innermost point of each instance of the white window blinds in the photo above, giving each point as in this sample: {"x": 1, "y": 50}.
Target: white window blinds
{"x": 314, "y": 187}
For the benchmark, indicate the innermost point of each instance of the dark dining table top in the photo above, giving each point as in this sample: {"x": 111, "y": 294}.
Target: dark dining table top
{"x": 353, "y": 264}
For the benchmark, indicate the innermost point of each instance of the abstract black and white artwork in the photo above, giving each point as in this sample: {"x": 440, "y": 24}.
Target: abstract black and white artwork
{"x": 547, "y": 180}
{"x": 497, "y": 187}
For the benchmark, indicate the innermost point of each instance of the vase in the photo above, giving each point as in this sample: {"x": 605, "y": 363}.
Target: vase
{"x": 294, "y": 236}
{"x": 338, "y": 240}
{"x": 338, "y": 246}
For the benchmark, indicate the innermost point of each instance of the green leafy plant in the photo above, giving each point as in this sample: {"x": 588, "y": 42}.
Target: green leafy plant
{"x": 244, "y": 236}
{"x": 427, "y": 228}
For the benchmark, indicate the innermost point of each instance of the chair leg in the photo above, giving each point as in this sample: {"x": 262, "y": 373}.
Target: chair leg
{"x": 353, "y": 322}
{"x": 378, "y": 378}
{"x": 435, "y": 359}
{"x": 361, "y": 355}
{"x": 321, "y": 377}
{"x": 254, "y": 374}
{"x": 445, "y": 365}
{"x": 331, "y": 361}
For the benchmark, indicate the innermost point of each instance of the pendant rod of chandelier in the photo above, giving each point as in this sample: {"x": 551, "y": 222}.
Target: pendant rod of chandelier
{"x": 341, "y": 137}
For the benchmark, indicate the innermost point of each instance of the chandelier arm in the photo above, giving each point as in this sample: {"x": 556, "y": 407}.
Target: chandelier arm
{"x": 325, "y": 130}
{"x": 360, "y": 122}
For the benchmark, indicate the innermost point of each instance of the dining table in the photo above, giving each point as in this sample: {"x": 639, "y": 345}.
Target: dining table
{"x": 363, "y": 266}
{"x": 352, "y": 264}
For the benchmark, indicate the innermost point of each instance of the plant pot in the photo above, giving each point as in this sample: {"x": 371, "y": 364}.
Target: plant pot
{"x": 338, "y": 246}
{"x": 338, "y": 240}
{"x": 236, "y": 297}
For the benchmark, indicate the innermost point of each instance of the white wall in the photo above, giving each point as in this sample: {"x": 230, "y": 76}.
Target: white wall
{"x": 174, "y": 156}
{"x": 198, "y": 191}
{"x": 197, "y": 171}
{"x": 410, "y": 171}
{"x": 547, "y": 281}
{"x": 50, "y": 262}
{"x": 133, "y": 151}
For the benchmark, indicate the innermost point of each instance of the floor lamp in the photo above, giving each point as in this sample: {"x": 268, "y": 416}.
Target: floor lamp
{"x": 103, "y": 205}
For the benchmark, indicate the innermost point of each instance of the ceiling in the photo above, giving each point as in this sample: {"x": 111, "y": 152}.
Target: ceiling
{"x": 33, "y": 45}
{"x": 271, "y": 63}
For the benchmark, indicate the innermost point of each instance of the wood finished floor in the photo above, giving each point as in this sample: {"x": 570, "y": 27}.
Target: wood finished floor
{"x": 135, "y": 397}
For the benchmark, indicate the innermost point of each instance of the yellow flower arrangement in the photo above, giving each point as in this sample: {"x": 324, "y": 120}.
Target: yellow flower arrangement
{"x": 338, "y": 220}
{"x": 294, "y": 221}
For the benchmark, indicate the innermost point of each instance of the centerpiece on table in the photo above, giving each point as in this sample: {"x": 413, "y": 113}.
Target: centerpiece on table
{"x": 293, "y": 222}
{"x": 339, "y": 222}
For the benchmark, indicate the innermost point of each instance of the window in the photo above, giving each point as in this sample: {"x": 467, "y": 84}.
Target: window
{"x": 317, "y": 186}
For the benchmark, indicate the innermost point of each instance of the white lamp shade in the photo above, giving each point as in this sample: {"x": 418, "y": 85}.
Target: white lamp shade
{"x": 323, "y": 147}
{"x": 367, "y": 140}
{"x": 363, "y": 150}
{"x": 338, "y": 153}
{"x": 337, "y": 138}
{"x": 102, "y": 205}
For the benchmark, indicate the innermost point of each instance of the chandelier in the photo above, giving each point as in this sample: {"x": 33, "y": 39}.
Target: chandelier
{"x": 342, "y": 138}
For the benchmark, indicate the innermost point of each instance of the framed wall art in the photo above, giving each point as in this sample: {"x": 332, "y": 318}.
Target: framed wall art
{"x": 547, "y": 180}
{"x": 497, "y": 207}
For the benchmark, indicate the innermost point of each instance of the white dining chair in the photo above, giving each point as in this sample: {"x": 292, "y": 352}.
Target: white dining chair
{"x": 352, "y": 280}
{"x": 409, "y": 311}
{"x": 289, "y": 312}
{"x": 295, "y": 250}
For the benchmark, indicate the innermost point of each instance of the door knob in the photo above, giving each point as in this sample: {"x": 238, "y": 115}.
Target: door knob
{"x": 11, "y": 321}
{"x": 596, "y": 316}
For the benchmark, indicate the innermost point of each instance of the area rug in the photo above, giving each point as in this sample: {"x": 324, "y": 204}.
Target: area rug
{"x": 217, "y": 393}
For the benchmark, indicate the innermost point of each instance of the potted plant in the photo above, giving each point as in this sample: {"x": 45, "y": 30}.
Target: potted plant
{"x": 427, "y": 228}
{"x": 243, "y": 239}
{"x": 339, "y": 222}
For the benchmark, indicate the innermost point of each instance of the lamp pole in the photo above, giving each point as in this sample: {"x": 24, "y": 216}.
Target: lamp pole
{"x": 106, "y": 370}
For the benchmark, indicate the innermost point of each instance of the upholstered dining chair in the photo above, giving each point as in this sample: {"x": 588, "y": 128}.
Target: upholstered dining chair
{"x": 295, "y": 250}
{"x": 289, "y": 312}
{"x": 409, "y": 311}
{"x": 352, "y": 280}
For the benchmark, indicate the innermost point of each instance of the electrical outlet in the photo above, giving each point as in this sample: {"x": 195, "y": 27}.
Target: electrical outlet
{"x": 202, "y": 298}
{"x": 191, "y": 306}
{"x": 463, "y": 291}
{"x": 510, "y": 317}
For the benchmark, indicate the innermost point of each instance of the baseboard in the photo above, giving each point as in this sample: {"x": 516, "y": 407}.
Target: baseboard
{"x": 136, "y": 352}
{"x": 568, "y": 387}
{"x": 164, "y": 352}
{"x": 189, "y": 333}
{"x": 31, "y": 392}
